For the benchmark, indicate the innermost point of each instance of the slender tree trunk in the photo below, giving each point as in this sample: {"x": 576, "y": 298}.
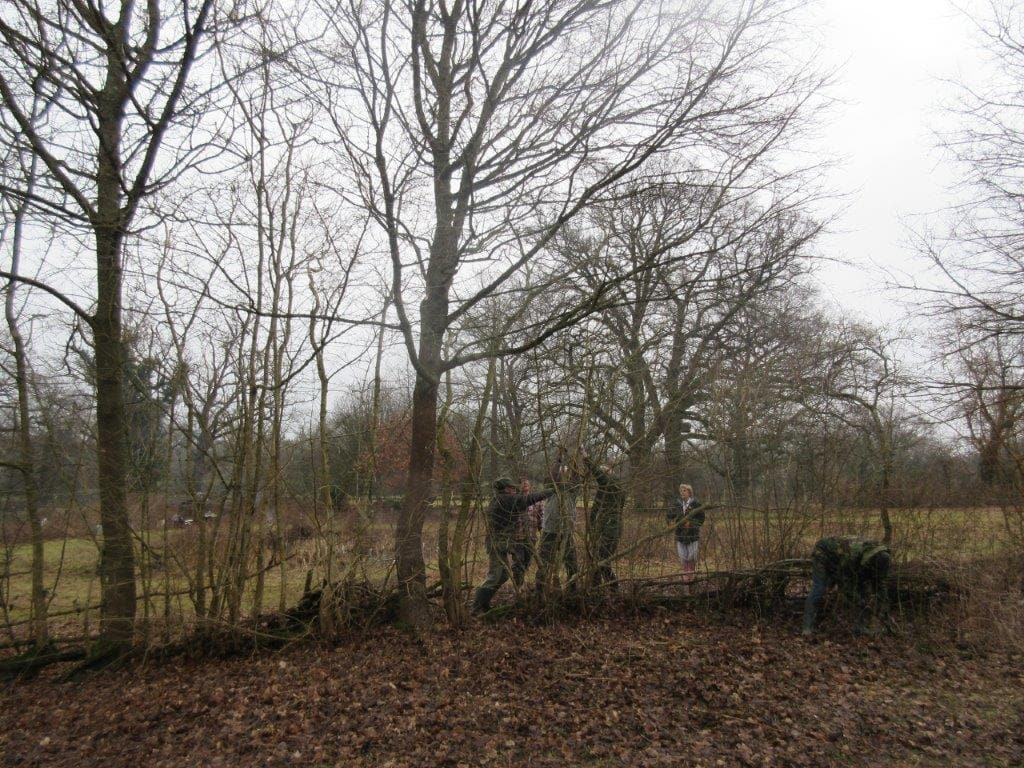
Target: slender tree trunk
{"x": 673, "y": 452}
{"x": 243, "y": 498}
{"x": 447, "y": 560}
{"x": 198, "y": 489}
{"x": 26, "y": 458}
{"x": 323, "y": 504}
{"x": 277, "y": 426}
{"x": 452, "y": 548}
{"x": 492, "y": 444}
{"x": 885, "y": 490}
{"x": 371, "y": 481}
{"x": 165, "y": 544}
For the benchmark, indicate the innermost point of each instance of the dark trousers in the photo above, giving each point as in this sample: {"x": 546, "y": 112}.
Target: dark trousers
{"x": 507, "y": 557}
{"x": 604, "y": 550}
{"x": 860, "y": 595}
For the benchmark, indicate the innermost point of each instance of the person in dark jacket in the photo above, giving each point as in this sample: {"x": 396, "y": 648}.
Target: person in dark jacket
{"x": 687, "y": 517}
{"x": 860, "y": 568}
{"x": 505, "y": 553}
{"x": 605, "y": 522}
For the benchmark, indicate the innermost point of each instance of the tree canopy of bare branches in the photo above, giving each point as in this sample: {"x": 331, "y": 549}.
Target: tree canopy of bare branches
{"x": 475, "y": 132}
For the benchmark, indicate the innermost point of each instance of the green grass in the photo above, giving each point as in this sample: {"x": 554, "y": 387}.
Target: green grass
{"x": 69, "y": 575}
{"x": 730, "y": 540}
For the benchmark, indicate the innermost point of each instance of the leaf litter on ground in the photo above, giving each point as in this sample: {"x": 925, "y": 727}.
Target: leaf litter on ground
{"x": 636, "y": 690}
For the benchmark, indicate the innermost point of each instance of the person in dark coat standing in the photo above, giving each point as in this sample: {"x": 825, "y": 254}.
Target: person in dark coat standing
{"x": 859, "y": 567}
{"x": 506, "y": 554}
{"x": 605, "y": 522}
{"x": 687, "y": 517}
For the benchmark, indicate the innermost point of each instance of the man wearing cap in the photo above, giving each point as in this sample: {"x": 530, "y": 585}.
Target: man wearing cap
{"x": 860, "y": 568}
{"x": 504, "y": 552}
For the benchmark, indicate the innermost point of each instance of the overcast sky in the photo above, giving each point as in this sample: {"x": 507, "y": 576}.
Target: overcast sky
{"x": 892, "y": 57}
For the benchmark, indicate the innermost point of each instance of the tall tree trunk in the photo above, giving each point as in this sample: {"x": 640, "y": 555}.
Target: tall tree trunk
{"x": 323, "y": 504}
{"x": 117, "y": 559}
{"x": 447, "y": 561}
{"x": 196, "y": 452}
{"x": 409, "y": 562}
{"x": 410, "y": 566}
{"x": 673, "y": 451}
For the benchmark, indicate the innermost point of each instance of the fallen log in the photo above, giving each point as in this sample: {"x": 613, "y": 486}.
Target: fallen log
{"x": 34, "y": 660}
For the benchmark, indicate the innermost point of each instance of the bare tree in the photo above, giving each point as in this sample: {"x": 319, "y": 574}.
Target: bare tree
{"x": 864, "y": 386}
{"x": 261, "y": 247}
{"x": 984, "y": 383}
{"x": 683, "y": 263}
{"x": 976, "y": 255}
{"x": 114, "y": 79}
{"x": 975, "y": 287}
{"x": 476, "y": 132}
{"x": 754, "y": 419}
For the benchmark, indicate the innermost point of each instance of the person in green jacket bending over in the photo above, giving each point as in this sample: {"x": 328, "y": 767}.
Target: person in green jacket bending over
{"x": 859, "y": 567}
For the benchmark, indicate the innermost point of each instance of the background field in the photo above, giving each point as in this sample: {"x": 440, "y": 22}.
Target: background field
{"x": 961, "y": 544}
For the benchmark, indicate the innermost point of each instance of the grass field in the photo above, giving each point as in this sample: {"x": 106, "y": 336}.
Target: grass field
{"x": 732, "y": 539}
